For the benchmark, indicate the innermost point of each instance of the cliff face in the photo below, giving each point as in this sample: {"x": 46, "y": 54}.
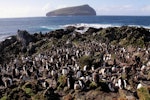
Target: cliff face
{"x": 73, "y": 11}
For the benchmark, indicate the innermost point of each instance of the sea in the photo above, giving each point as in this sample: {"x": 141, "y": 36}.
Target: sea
{"x": 9, "y": 26}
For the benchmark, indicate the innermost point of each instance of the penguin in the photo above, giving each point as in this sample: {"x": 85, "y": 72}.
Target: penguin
{"x": 140, "y": 85}
{"x": 76, "y": 86}
{"x": 15, "y": 73}
{"x": 143, "y": 67}
{"x": 51, "y": 60}
{"x": 85, "y": 68}
{"x": 64, "y": 71}
{"x": 67, "y": 56}
{"x": 82, "y": 84}
{"x": 111, "y": 88}
{"x": 9, "y": 82}
{"x": 53, "y": 72}
{"x": 122, "y": 83}
{"x": 47, "y": 65}
{"x": 102, "y": 71}
{"x": 57, "y": 65}
{"x": 78, "y": 74}
{"x": 114, "y": 69}
{"x": 93, "y": 68}
{"x": 45, "y": 84}
{"x": 83, "y": 78}
{"x": 95, "y": 77}
{"x": 73, "y": 58}
{"x": 24, "y": 68}
{"x": 87, "y": 77}
{"x": 148, "y": 63}
{"x": 24, "y": 77}
{"x": 1, "y": 81}
{"x": 70, "y": 82}
{"x": 28, "y": 73}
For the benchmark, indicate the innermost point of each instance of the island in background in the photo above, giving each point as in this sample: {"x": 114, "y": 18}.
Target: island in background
{"x": 84, "y": 10}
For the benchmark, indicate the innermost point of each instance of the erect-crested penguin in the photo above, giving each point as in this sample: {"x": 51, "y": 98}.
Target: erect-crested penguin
{"x": 111, "y": 88}
{"x": 85, "y": 68}
{"x": 95, "y": 77}
{"x": 45, "y": 84}
{"x": 81, "y": 83}
{"x": 122, "y": 83}
{"x": 64, "y": 71}
{"x": 70, "y": 82}
{"x": 76, "y": 86}
{"x": 79, "y": 74}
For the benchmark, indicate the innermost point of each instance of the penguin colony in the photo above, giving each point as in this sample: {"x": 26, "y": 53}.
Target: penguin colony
{"x": 116, "y": 68}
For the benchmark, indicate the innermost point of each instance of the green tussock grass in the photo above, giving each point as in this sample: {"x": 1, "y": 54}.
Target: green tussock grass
{"x": 143, "y": 93}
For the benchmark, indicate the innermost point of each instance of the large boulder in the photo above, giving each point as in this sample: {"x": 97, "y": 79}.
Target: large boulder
{"x": 7, "y": 42}
{"x": 24, "y": 37}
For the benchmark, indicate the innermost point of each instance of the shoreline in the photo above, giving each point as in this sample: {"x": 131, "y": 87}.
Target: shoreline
{"x": 78, "y": 25}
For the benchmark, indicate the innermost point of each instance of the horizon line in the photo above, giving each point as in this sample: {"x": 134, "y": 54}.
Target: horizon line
{"x": 71, "y": 16}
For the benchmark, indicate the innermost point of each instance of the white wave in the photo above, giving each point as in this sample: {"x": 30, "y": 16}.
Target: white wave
{"x": 148, "y": 27}
{"x": 86, "y": 25}
{"x": 4, "y": 37}
{"x": 45, "y": 27}
{"x": 50, "y": 27}
{"x": 82, "y": 31}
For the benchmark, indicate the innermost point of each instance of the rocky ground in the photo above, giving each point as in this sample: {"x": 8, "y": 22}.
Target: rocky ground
{"x": 98, "y": 61}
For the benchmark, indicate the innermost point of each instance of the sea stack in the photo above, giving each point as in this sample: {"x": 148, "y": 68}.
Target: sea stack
{"x": 83, "y": 10}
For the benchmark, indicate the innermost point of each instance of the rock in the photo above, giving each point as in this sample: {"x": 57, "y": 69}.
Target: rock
{"x": 7, "y": 42}
{"x": 99, "y": 95}
{"x": 73, "y": 11}
{"x": 70, "y": 28}
{"x": 24, "y": 37}
{"x": 130, "y": 98}
{"x": 92, "y": 30}
{"x": 57, "y": 33}
{"x": 68, "y": 97}
{"x": 31, "y": 48}
{"x": 50, "y": 95}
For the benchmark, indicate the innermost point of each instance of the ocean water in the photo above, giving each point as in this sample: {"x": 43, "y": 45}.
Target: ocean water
{"x": 9, "y": 26}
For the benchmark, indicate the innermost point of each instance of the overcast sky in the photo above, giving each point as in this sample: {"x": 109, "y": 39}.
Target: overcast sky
{"x": 34, "y": 8}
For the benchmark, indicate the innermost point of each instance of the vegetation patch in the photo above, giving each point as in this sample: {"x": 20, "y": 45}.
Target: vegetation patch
{"x": 86, "y": 60}
{"x": 62, "y": 80}
{"x": 29, "y": 91}
{"x": 93, "y": 85}
{"x": 4, "y": 98}
{"x": 143, "y": 93}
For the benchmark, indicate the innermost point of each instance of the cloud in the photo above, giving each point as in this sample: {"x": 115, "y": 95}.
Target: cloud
{"x": 50, "y": 7}
{"x": 116, "y": 10}
{"x": 46, "y": 7}
{"x": 146, "y": 8}
{"x": 14, "y": 11}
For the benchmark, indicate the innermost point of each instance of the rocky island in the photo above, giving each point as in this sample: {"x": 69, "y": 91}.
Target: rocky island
{"x": 100, "y": 64}
{"x": 83, "y": 10}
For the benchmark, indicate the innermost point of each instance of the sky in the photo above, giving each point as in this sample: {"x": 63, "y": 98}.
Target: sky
{"x": 35, "y": 8}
